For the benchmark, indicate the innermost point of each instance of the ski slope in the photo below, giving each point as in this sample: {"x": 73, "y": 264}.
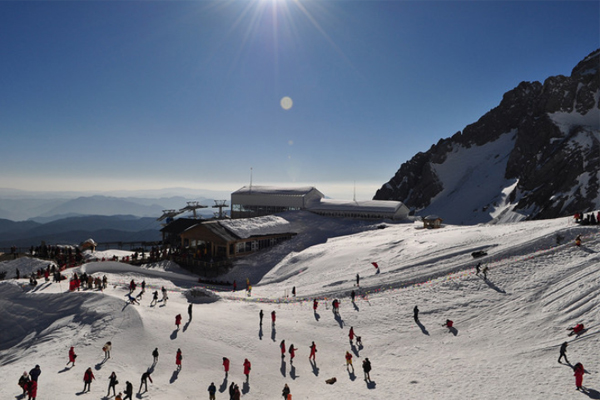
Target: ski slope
{"x": 505, "y": 346}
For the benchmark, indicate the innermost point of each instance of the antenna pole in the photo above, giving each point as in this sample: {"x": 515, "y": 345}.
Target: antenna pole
{"x": 250, "y": 179}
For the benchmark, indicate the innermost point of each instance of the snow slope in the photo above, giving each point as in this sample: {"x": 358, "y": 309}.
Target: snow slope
{"x": 508, "y": 329}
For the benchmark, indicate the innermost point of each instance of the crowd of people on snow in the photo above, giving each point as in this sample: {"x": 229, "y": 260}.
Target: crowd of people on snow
{"x": 589, "y": 219}
{"x": 28, "y": 381}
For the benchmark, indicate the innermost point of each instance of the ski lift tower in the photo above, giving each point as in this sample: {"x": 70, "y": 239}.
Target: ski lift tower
{"x": 220, "y": 204}
{"x": 192, "y": 206}
{"x": 168, "y": 215}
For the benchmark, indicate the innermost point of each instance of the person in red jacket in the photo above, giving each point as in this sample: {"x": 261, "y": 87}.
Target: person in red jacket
{"x": 315, "y": 305}
{"x": 349, "y": 361}
{"x": 576, "y": 330}
{"x": 226, "y": 365}
{"x": 282, "y": 347}
{"x": 579, "y": 371}
{"x": 351, "y": 334}
{"x": 292, "y": 351}
{"x": 31, "y": 388}
{"x": 178, "y": 359}
{"x": 72, "y": 356}
{"x": 313, "y": 351}
{"x": 247, "y": 366}
{"x": 88, "y": 376}
{"x": 178, "y": 320}
{"x": 448, "y": 324}
{"x": 273, "y": 317}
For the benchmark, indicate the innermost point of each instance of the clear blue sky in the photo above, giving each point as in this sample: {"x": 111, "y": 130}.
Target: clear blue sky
{"x": 111, "y": 95}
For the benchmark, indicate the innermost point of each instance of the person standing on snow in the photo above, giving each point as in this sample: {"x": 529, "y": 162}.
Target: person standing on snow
{"x": 351, "y": 334}
{"x": 579, "y": 371}
{"x": 477, "y": 270}
{"x": 190, "y": 311}
{"x": 563, "y": 352}
{"x": 357, "y": 280}
{"x": 106, "y": 349}
{"x": 154, "y": 298}
{"x": 178, "y": 320}
{"x": 128, "y": 391}
{"x": 285, "y": 392}
{"x": 294, "y": 291}
{"x": 313, "y": 351}
{"x": 366, "y": 365}
{"x": 449, "y": 323}
{"x": 349, "y": 361}
{"x": 212, "y": 389}
{"x": 31, "y": 390}
{"x": 231, "y": 390}
{"x": 485, "y": 271}
{"x": 292, "y": 351}
{"x": 88, "y": 376}
{"x": 247, "y": 367}
{"x": 273, "y": 317}
{"x": 226, "y": 365}
{"x": 72, "y": 356}
{"x": 178, "y": 358}
{"x": 155, "y": 355}
{"x": 416, "y": 314}
{"x": 144, "y": 381}
{"x": 23, "y": 381}
{"x": 112, "y": 383}
{"x": 260, "y": 316}
{"x": 353, "y": 295}
{"x": 35, "y": 373}
{"x": 282, "y": 347}
{"x": 315, "y": 305}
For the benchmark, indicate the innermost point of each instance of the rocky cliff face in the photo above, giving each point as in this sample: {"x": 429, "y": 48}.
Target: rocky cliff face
{"x": 536, "y": 155}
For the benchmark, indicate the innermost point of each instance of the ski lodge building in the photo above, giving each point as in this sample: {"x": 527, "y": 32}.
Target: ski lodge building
{"x": 253, "y": 201}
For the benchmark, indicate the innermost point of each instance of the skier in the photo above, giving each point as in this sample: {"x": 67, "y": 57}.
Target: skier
{"x": 351, "y": 334}
{"x": 416, "y": 314}
{"x": 178, "y": 358}
{"x": 128, "y": 391}
{"x": 144, "y": 381}
{"x": 273, "y": 317}
{"x": 477, "y": 268}
{"x": 286, "y": 392}
{"x": 226, "y": 365}
{"x": 131, "y": 286}
{"x": 155, "y": 355}
{"x": 247, "y": 367}
{"x": 294, "y": 291}
{"x": 576, "y": 330}
{"x": 154, "y": 298}
{"x": 563, "y": 352}
{"x": 190, "y": 311}
{"x": 164, "y": 294}
{"x": 178, "y": 320}
{"x": 282, "y": 347}
{"x": 449, "y": 324}
{"x": 112, "y": 383}
{"x": 349, "y": 360}
{"x": 106, "y": 349}
{"x": 335, "y": 305}
{"x": 88, "y": 376}
{"x": 357, "y": 280}
{"x": 366, "y": 365}
{"x": 313, "y": 351}
{"x": 35, "y": 373}
{"x": 23, "y": 381}
{"x": 212, "y": 389}
{"x": 579, "y": 371}
{"x": 353, "y": 295}
{"x": 292, "y": 351}
{"x": 260, "y": 316}
{"x": 315, "y": 305}
{"x": 578, "y": 240}
{"x": 72, "y": 356}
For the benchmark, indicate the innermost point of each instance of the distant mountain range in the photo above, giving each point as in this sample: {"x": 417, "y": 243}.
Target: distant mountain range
{"x": 534, "y": 156}
{"x": 28, "y": 218}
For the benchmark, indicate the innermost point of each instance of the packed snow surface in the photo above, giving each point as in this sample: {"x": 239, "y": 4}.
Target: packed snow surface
{"x": 505, "y": 344}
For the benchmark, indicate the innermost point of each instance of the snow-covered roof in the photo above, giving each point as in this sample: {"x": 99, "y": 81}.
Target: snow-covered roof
{"x": 258, "y": 226}
{"x": 276, "y": 190}
{"x": 372, "y": 206}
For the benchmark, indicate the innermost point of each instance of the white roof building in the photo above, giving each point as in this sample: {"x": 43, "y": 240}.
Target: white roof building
{"x": 252, "y": 201}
